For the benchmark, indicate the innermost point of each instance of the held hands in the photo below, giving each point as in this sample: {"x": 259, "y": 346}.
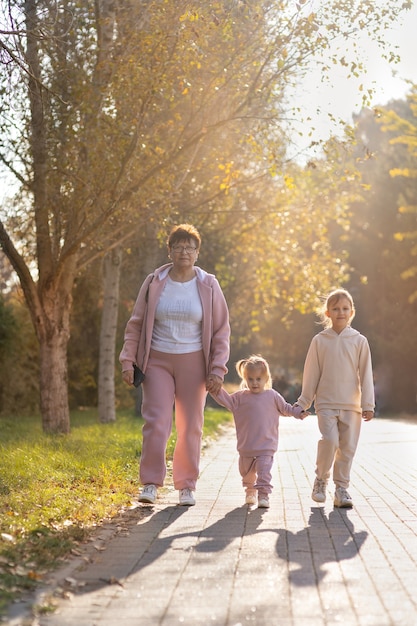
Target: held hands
{"x": 367, "y": 415}
{"x": 302, "y": 415}
{"x": 213, "y": 384}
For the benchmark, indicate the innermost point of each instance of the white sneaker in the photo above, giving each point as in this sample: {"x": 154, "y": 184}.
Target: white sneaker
{"x": 342, "y": 499}
{"x": 263, "y": 503}
{"x": 319, "y": 490}
{"x": 148, "y": 494}
{"x": 250, "y": 497}
{"x": 186, "y": 497}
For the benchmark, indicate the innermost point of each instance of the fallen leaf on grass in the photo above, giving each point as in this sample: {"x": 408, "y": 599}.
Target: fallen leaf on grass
{"x": 19, "y": 570}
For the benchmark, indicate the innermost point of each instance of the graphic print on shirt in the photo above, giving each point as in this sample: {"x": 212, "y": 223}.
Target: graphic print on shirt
{"x": 178, "y": 318}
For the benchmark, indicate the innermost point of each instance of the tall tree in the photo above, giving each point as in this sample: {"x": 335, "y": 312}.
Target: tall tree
{"x": 380, "y": 258}
{"x": 403, "y": 132}
{"x": 111, "y": 109}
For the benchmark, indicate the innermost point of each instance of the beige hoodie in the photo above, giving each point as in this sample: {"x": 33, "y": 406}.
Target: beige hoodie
{"x": 338, "y": 372}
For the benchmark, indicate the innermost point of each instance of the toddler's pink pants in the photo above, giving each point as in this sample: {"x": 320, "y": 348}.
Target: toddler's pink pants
{"x": 256, "y": 472}
{"x": 173, "y": 380}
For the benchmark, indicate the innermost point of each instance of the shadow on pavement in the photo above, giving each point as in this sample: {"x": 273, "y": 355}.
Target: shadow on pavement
{"x": 213, "y": 538}
{"x": 324, "y": 540}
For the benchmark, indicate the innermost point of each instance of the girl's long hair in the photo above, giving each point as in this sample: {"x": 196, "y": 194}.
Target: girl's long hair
{"x": 332, "y": 298}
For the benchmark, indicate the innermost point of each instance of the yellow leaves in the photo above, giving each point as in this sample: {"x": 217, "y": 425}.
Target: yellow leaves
{"x": 230, "y": 175}
{"x": 311, "y": 20}
{"x": 410, "y": 273}
{"x": 190, "y": 16}
{"x": 404, "y": 236}
{"x": 408, "y": 208}
{"x": 289, "y": 182}
{"x": 282, "y": 59}
{"x": 406, "y": 172}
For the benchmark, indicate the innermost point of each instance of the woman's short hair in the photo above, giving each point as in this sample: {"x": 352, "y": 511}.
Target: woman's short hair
{"x": 184, "y": 232}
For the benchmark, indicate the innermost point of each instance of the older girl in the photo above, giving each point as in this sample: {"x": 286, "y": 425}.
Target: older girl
{"x": 338, "y": 379}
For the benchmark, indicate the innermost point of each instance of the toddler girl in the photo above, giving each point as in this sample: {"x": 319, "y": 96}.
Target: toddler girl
{"x": 256, "y": 408}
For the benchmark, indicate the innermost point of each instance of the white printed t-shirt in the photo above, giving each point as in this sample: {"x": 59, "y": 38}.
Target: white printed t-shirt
{"x": 179, "y": 314}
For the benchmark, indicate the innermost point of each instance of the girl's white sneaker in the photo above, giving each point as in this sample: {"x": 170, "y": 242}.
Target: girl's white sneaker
{"x": 342, "y": 498}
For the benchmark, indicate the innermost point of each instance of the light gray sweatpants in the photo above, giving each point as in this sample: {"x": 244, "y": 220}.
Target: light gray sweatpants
{"x": 340, "y": 430}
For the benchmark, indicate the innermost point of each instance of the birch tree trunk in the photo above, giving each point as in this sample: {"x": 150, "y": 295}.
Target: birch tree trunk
{"x": 108, "y": 330}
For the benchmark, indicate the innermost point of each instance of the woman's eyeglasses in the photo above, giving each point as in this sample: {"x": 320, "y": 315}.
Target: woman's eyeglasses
{"x": 186, "y": 249}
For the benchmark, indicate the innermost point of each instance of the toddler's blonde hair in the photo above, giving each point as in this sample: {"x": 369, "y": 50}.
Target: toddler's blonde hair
{"x": 255, "y": 361}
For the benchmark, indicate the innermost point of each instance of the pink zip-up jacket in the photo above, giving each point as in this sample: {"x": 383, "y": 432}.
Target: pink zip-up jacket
{"x": 215, "y": 325}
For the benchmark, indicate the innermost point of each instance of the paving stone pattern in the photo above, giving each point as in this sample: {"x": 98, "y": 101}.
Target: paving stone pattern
{"x": 223, "y": 563}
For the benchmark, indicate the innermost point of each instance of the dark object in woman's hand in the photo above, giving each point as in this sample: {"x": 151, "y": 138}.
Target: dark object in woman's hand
{"x": 138, "y": 376}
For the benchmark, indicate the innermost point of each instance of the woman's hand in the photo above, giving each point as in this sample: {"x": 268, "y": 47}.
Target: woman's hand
{"x": 128, "y": 376}
{"x": 213, "y": 383}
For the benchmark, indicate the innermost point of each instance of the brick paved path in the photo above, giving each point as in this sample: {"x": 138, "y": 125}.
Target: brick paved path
{"x": 297, "y": 564}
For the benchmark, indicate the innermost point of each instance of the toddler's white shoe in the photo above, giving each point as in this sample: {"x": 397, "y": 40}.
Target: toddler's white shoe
{"x": 250, "y": 497}
{"x": 263, "y": 503}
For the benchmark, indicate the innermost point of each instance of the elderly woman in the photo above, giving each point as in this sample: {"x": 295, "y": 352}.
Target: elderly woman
{"x": 178, "y": 335}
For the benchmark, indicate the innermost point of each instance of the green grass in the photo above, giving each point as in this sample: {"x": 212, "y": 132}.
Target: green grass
{"x": 54, "y": 490}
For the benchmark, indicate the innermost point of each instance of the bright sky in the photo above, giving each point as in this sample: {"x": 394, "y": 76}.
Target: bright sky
{"x": 342, "y": 97}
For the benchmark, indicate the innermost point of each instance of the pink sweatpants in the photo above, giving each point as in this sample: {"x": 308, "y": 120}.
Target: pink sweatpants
{"x": 173, "y": 380}
{"x": 340, "y": 430}
{"x": 256, "y": 472}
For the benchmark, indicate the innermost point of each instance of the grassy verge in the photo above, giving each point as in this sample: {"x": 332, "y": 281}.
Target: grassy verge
{"x": 54, "y": 490}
